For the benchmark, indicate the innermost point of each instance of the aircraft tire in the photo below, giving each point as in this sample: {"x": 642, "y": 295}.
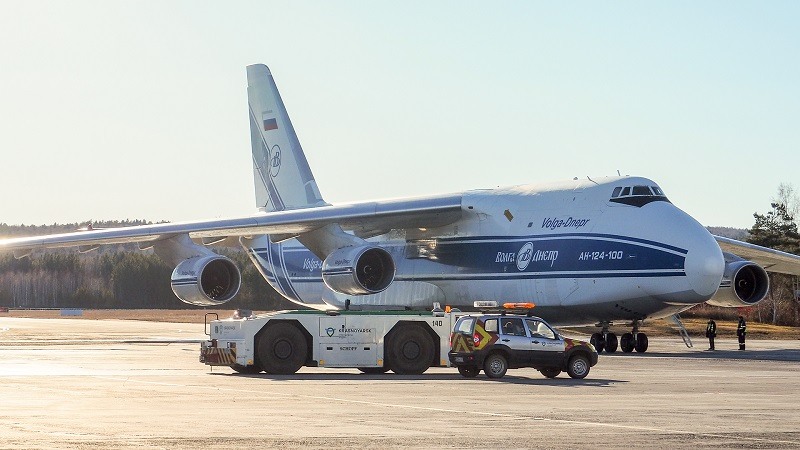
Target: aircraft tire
{"x": 641, "y": 342}
{"x": 550, "y": 372}
{"x": 495, "y": 365}
{"x": 578, "y": 366}
{"x": 411, "y": 350}
{"x": 611, "y": 342}
{"x": 248, "y": 370}
{"x": 373, "y": 370}
{"x": 626, "y": 343}
{"x": 282, "y": 349}
{"x": 597, "y": 342}
{"x": 469, "y": 371}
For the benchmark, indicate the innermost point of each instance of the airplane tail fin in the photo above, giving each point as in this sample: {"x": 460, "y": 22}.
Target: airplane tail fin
{"x": 283, "y": 178}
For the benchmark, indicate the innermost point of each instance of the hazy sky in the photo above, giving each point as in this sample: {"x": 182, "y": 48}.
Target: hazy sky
{"x": 114, "y": 110}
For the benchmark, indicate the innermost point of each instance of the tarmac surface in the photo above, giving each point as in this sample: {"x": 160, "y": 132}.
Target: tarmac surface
{"x": 67, "y": 383}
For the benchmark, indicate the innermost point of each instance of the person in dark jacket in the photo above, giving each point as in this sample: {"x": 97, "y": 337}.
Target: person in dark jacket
{"x": 741, "y": 332}
{"x": 711, "y": 333}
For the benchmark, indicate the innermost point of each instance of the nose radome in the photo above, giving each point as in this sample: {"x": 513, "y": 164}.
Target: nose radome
{"x": 704, "y": 266}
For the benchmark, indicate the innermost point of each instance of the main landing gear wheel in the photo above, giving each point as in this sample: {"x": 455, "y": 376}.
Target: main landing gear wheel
{"x": 468, "y": 371}
{"x": 611, "y": 342}
{"x": 282, "y": 349}
{"x": 578, "y": 366}
{"x": 627, "y": 343}
{"x": 550, "y": 372}
{"x": 495, "y": 365}
{"x": 411, "y": 350}
{"x": 641, "y": 342}
{"x": 597, "y": 342}
{"x": 373, "y": 370}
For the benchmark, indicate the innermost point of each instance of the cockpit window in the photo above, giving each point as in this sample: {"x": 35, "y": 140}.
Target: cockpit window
{"x": 637, "y": 195}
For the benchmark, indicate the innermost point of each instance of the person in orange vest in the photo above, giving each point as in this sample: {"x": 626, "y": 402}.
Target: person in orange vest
{"x": 711, "y": 333}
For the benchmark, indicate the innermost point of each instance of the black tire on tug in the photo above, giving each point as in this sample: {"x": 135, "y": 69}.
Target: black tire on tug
{"x": 468, "y": 371}
{"x": 641, "y": 342}
{"x": 550, "y": 372}
{"x": 246, "y": 369}
{"x": 578, "y": 366}
{"x": 282, "y": 349}
{"x": 373, "y": 370}
{"x": 495, "y": 365}
{"x": 611, "y": 342}
{"x": 626, "y": 342}
{"x": 597, "y": 342}
{"x": 411, "y": 350}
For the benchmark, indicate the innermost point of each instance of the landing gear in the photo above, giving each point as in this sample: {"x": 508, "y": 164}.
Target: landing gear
{"x": 598, "y": 342}
{"x": 605, "y": 340}
{"x": 611, "y": 342}
{"x": 638, "y": 341}
{"x": 627, "y": 343}
{"x": 641, "y": 342}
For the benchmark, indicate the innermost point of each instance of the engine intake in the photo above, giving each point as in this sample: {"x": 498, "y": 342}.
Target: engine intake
{"x": 358, "y": 270}
{"x": 744, "y": 283}
{"x": 206, "y": 280}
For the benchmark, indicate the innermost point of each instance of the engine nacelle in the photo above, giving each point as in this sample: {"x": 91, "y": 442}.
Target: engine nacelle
{"x": 206, "y": 280}
{"x": 744, "y": 283}
{"x": 358, "y": 270}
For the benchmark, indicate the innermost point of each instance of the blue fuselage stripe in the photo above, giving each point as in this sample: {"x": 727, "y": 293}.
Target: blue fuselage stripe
{"x": 491, "y": 258}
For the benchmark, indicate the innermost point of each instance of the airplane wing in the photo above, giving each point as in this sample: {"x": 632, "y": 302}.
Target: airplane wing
{"x": 771, "y": 260}
{"x": 367, "y": 218}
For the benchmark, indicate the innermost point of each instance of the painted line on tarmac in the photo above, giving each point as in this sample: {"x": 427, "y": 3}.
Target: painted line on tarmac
{"x": 458, "y": 411}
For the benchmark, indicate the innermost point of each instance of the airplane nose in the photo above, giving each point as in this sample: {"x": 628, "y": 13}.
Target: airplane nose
{"x": 704, "y": 266}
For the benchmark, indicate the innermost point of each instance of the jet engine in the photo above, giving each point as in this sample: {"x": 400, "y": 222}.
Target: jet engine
{"x": 206, "y": 280}
{"x": 744, "y": 283}
{"x": 358, "y": 270}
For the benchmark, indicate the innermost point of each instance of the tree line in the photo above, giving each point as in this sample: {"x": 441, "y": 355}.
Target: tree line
{"x": 111, "y": 277}
{"x": 775, "y": 229}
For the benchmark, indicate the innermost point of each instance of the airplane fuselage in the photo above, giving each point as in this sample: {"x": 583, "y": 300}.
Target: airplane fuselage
{"x": 583, "y": 251}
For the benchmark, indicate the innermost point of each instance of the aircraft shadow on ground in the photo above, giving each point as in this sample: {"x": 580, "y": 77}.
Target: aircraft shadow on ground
{"x": 789, "y": 355}
{"x": 561, "y": 381}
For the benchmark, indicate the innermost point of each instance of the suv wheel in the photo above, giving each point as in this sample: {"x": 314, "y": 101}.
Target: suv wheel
{"x": 468, "y": 371}
{"x": 578, "y": 366}
{"x": 495, "y": 365}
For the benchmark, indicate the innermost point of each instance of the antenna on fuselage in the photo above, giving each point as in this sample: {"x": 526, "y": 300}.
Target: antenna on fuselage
{"x": 595, "y": 182}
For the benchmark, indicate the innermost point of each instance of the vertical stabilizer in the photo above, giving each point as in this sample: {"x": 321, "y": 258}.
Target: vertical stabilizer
{"x": 283, "y": 179}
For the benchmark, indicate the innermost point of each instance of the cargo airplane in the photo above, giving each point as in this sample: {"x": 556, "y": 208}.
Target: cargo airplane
{"x": 590, "y": 251}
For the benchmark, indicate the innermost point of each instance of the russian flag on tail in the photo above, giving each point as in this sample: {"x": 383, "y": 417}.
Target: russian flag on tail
{"x": 270, "y": 123}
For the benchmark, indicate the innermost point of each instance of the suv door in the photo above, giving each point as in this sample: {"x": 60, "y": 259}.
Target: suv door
{"x": 547, "y": 347}
{"x": 514, "y": 336}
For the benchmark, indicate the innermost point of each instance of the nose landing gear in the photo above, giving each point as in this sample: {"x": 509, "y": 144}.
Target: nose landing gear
{"x": 605, "y": 340}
